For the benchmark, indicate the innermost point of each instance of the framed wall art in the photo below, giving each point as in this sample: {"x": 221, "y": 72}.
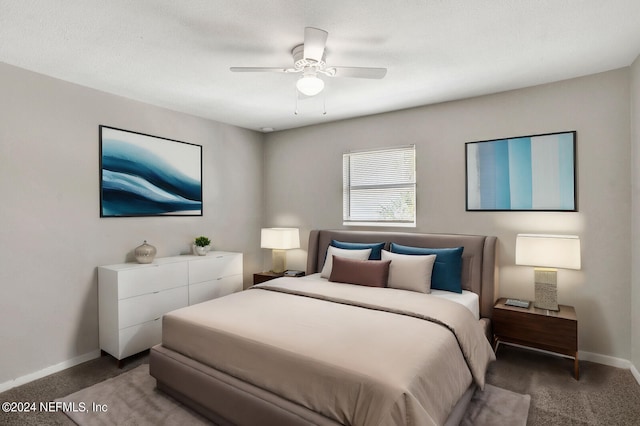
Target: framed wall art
{"x": 524, "y": 173}
{"x": 144, "y": 175}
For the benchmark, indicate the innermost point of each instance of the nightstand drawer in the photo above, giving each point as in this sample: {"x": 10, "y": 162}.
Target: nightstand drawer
{"x": 544, "y": 332}
{"x": 262, "y": 277}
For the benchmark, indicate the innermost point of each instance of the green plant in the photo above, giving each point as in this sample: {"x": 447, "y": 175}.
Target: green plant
{"x": 202, "y": 241}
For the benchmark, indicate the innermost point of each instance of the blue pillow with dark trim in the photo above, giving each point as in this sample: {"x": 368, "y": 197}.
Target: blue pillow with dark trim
{"x": 447, "y": 271}
{"x": 376, "y": 248}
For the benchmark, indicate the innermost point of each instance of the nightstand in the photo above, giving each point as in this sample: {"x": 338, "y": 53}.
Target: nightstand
{"x": 538, "y": 328}
{"x": 261, "y": 277}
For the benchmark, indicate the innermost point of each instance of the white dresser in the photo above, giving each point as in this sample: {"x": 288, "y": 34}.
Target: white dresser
{"x": 133, "y": 297}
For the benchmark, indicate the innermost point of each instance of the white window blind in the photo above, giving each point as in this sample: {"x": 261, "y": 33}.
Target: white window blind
{"x": 379, "y": 187}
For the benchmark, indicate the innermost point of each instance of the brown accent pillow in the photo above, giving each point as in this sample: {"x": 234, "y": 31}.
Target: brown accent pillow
{"x": 372, "y": 273}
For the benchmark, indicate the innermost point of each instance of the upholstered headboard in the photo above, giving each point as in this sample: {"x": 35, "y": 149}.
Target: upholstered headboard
{"x": 479, "y": 267}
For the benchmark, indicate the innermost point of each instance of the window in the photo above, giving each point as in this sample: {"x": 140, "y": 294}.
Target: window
{"x": 379, "y": 187}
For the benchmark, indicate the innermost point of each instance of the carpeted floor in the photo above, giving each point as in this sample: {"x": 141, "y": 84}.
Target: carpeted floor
{"x": 603, "y": 396}
{"x": 132, "y": 399}
{"x": 60, "y": 384}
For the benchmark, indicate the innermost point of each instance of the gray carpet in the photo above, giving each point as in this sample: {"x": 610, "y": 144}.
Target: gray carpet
{"x": 495, "y": 406}
{"x": 603, "y": 396}
{"x": 131, "y": 399}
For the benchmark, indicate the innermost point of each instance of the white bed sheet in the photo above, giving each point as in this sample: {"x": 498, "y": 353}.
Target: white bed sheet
{"x": 468, "y": 299}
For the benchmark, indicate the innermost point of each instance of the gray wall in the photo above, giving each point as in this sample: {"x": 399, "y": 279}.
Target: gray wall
{"x": 307, "y": 192}
{"x": 635, "y": 211}
{"x": 52, "y": 237}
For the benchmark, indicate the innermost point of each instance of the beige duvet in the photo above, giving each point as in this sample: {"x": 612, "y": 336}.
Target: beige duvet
{"x": 357, "y": 355}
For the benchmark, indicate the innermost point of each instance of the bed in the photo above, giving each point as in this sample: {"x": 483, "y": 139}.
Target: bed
{"x": 296, "y": 351}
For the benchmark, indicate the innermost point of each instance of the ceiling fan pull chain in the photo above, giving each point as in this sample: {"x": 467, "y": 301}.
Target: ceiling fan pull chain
{"x": 324, "y": 102}
{"x": 295, "y": 112}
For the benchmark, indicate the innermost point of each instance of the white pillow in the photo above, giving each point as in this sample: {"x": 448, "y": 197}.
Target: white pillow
{"x": 349, "y": 254}
{"x": 410, "y": 272}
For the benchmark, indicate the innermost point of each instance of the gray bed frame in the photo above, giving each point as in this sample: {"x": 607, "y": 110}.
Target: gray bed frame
{"x": 229, "y": 401}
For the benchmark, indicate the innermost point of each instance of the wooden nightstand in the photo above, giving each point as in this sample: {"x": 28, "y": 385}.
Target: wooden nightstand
{"x": 538, "y": 328}
{"x": 261, "y": 277}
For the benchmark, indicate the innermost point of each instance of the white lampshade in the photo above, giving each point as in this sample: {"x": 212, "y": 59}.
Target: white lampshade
{"x": 551, "y": 251}
{"x": 310, "y": 85}
{"x": 280, "y": 238}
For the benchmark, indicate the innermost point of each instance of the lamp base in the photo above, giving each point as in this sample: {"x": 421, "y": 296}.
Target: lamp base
{"x": 546, "y": 289}
{"x": 278, "y": 261}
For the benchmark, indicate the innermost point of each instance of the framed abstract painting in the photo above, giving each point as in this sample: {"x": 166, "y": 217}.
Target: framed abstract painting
{"x": 144, "y": 175}
{"x": 524, "y": 173}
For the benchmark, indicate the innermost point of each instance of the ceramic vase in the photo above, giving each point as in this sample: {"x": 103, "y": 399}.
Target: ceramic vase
{"x": 145, "y": 253}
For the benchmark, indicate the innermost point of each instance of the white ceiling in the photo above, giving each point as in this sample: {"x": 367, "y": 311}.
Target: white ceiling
{"x": 177, "y": 53}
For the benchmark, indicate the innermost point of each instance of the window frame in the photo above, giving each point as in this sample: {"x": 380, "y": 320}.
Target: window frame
{"x": 347, "y": 188}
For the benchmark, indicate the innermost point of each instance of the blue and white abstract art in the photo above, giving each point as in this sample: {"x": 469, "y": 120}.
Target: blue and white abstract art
{"x": 143, "y": 175}
{"x": 529, "y": 173}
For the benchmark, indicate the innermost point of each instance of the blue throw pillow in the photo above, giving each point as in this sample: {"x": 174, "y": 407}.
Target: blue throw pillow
{"x": 376, "y": 248}
{"x": 447, "y": 271}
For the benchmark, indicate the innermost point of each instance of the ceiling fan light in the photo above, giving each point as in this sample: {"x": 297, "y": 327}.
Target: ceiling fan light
{"x": 310, "y": 85}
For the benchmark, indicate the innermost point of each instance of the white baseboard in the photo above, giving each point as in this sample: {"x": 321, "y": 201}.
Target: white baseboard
{"x": 612, "y": 361}
{"x": 594, "y": 357}
{"x": 604, "y": 359}
{"x": 49, "y": 370}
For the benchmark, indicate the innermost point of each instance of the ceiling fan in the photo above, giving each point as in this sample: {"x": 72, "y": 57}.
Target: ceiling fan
{"x": 309, "y": 59}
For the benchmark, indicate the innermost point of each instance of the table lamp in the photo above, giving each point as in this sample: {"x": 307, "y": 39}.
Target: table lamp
{"x": 547, "y": 253}
{"x": 279, "y": 240}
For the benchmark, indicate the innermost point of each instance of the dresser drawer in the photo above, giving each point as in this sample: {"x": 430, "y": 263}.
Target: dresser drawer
{"x": 213, "y": 267}
{"x": 148, "y": 307}
{"x": 139, "y": 337}
{"x": 151, "y": 278}
{"x": 212, "y": 289}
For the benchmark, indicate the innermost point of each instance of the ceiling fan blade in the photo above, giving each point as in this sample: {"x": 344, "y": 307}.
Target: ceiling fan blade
{"x": 260, "y": 69}
{"x": 356, "y": 72}
{"x": 314, "y": 43}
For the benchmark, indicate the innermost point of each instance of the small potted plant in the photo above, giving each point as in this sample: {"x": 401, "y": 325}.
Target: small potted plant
{"x": 202, "y": 245}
